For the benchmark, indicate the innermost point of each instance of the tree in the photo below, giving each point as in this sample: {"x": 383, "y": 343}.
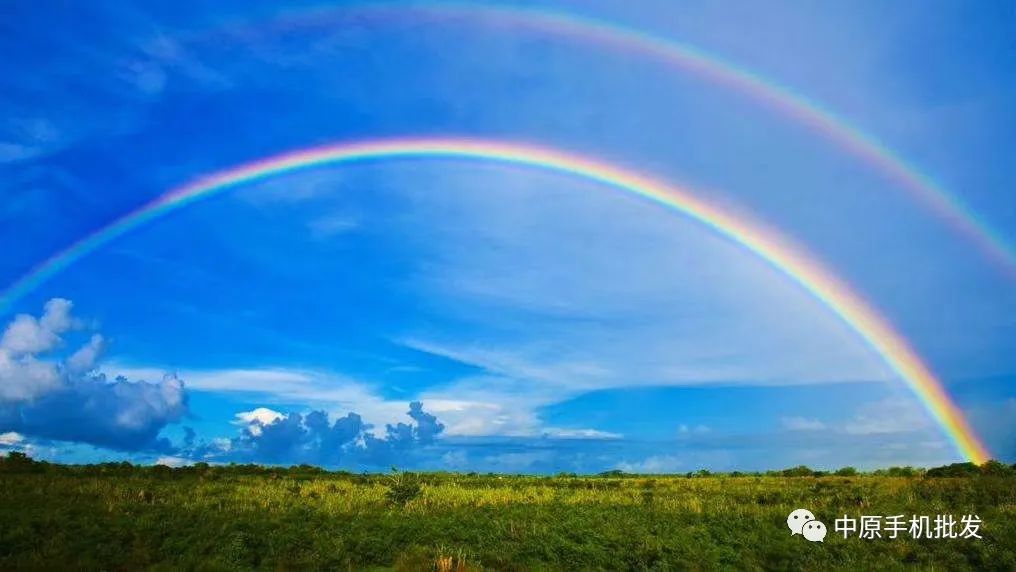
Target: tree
{"x": 798, "y": 471}
{"x": 995, "y": 469}
{"x": 954, "y": 470}
{"x": 18, "y": 462}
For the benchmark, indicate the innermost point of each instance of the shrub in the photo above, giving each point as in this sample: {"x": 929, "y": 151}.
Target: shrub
{"x": 402, "y": 487}
{"x": 798, "y": 471}
{"x": 954, "y": 470}
{"x": 995, "y": 469}
{"x": 18, "y": 462}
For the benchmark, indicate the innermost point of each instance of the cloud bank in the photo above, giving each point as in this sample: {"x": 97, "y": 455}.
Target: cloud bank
{"x": 48, "y": 393}
{"x": 314, "y": 438}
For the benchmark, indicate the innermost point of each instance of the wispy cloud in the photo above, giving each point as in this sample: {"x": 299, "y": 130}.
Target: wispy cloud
{"x": 889, "y": 415}
{"x": 580, "y": 433}
{"x": 332, "y": 225}
{"x": 802, "y": 424}
{"x": 653, "y": 464}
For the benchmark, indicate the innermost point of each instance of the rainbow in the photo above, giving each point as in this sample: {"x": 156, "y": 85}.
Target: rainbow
{"x": 765, "y": 243}
{"x": 715, "y": 69}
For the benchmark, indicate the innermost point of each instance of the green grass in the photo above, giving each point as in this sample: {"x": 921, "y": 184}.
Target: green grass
{"x": 223, "y": 520}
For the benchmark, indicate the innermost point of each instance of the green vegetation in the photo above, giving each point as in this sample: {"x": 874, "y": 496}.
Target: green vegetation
{"x": 119, "y": 516}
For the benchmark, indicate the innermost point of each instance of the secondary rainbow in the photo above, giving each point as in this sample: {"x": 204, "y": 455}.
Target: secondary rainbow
{"x": 753, "y": 236}
{"x": 693, "y": 60}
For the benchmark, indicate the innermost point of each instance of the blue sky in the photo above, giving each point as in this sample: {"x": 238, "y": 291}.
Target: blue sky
{"x": 543, "y": 322}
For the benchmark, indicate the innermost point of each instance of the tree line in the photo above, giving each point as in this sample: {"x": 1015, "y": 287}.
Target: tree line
{"x": 17, "y": 462}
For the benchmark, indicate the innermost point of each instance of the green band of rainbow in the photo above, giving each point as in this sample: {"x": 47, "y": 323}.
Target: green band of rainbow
{"x": 777, "y": 251}
{"x": 691, "y": 60}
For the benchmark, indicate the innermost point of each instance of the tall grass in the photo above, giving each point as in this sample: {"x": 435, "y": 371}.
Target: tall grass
{"x": 228, "y": 521}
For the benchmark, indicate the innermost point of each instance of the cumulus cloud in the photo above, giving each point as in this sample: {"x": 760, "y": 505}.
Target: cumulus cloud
{"x": 273, "y": 437}
{"x": 44, "y": 395}
{"x": 86, "y": 356}
{"x": 28, "y": 335}
{"x": 258, "y": 418}
{"x": 11, "y": 439}
{"x": 24, "y": 378}
{"x": 22, "y": 375}
{"x": 121, "y": 414}
{"x": 323, "y": 389}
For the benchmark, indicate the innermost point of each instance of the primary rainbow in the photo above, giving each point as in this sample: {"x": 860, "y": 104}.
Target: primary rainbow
{"x": 693, "y": 60}
{"x": 767, "y": 244}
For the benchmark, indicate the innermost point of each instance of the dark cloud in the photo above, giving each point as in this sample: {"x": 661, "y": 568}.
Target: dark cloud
{"x": 314, "y": 438}
{"x": 120, "y": 415}
{"x": 47, "y": 397}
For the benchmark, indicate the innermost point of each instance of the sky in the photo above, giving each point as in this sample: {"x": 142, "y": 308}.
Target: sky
{"x": 451, "y": 314}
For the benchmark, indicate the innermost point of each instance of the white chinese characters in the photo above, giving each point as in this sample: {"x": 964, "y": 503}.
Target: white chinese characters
{"x": 916, "y": 527}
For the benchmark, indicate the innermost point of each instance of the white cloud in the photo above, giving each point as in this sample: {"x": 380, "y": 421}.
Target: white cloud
{"x": 654, "y": 464}
{"x": 697, "y": 429}
{"x": 85, "y": 358}
{"x": 594, "y": 434}
{"x": 27, "y": 335}
{"x": 171, "y": 461}
{"x": 802, "y": 424}
{"x": 554, "y": 280}
{"x": 470, "y": 407}
{"x": 54, "y": 397}
{"x": 258, "y": 418}
{"x": 319, "y": 389}
{"x": 222, "y": 444}
{"x": 889, "y": 415}
{"x": 472, "y": 416}
{"x": 10, "y": 439}
{"x": 57, "y": 315}
{"x": 509, "y": 364}
{"x": 23, "y": 376}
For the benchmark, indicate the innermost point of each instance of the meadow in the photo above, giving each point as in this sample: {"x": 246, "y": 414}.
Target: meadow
{"x": 122, "y": 517}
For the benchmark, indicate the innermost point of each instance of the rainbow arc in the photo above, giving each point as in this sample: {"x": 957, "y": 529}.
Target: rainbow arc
{"x": 689, "y": 59}
{"x": 766, "y": 243}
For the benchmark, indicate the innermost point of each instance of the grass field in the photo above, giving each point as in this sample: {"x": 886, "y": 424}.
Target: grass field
{"x": 121, "y": 517}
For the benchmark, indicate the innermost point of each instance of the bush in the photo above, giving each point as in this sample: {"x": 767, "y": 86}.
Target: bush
{"x": 402, "y": 487}
{"x": 954, "y": 470}
{"x": 996, "y": 469}
{"x": 798, "y": 471}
